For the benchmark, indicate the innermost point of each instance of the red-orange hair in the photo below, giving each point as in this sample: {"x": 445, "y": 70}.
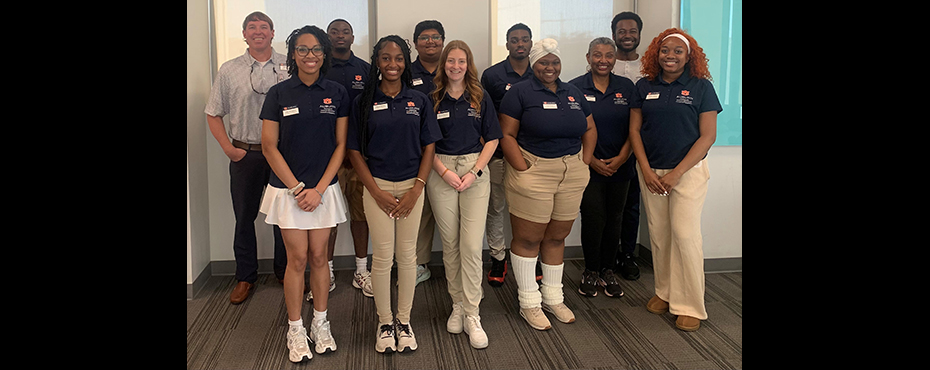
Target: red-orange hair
{"x": 697, "y": 61}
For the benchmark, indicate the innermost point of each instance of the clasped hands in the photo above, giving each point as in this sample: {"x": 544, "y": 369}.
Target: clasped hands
{"x": 460, "y": 184}
{"x": 660, "y": 185}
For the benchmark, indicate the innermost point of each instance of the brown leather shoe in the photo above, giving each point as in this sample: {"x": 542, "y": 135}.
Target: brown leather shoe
{"x": 687, "y": 323}
{"x": 240, "y": 292}
{"x": 657, "y": 306}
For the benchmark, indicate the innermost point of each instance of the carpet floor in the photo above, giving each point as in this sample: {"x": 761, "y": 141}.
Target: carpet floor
{"x": 609, "y": 333}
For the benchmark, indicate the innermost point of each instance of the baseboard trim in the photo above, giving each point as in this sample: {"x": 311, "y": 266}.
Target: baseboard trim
{"x": 265, "y": 266}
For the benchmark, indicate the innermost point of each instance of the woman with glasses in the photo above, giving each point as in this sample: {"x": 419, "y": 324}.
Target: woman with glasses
{"x": 459, "y": 186}
{"x": 305, "y": 120}
{"x": 548, "y": 141}
{"x": 672, "y": 127}
{"x": 604, "y": 198}
{"x": 392, "y": 131}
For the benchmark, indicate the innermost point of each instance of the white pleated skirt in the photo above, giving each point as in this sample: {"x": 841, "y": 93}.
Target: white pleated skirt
{"x": 281, "y": 209}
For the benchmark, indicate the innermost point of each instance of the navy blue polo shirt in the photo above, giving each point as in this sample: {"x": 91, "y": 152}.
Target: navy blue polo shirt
{"x": 463, "y": 126}
{"x": 611, "y": 112}
{"x": 551, "y": 123}
{"x": 351, "y": 74}
{"x": 306, "y": 117}
{"x": 497, "y": 79}
{"x": 398, "y": 129}
{"x": 422, "y": 79}
{"x": 670, "y": 116}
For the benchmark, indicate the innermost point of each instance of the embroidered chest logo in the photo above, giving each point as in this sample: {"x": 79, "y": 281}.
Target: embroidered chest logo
{"x": 358, "y": 84}
{"x": 685, "y": 98}
{"x": 327, "y": 107}
{"x": 412, "y": 109}
{"x": 572, "y": 104}
{"x": 619, "y": 99}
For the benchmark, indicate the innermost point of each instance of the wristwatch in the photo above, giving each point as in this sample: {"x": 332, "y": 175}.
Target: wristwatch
{"x": 477, "y": 174}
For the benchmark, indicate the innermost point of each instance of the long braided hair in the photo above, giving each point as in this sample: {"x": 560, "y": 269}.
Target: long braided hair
{"x": 366, "y": 98}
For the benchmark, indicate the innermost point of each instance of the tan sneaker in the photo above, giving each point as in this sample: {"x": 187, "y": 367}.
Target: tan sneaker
{"x": 561, "y": 312}
{"x": 688, "y": 323}
{"x": 657, "y": 306}
{"x": 536, "y": 318}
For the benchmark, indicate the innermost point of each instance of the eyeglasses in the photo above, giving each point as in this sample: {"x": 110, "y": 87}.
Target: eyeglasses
{"x": 261, "y": 78}
{"x": 303, "y": 50}
{"x": 436, "y": 37}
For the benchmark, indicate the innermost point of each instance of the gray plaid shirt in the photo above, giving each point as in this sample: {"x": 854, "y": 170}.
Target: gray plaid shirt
{"x": 238, "y": 92}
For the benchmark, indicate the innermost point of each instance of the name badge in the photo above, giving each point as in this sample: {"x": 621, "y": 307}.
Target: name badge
{"x": 417, "y": 81}
{"x": 283, "y": 66}
{"x": 508, "y": 87}
{"x": 589, "y": 97}
{"x": 379, "y": 106}
{"x": 442, "y": 115}
{"x": 291, "y": 111}
{"x": 547, "y": 105}
{"x": 652, "y": 95}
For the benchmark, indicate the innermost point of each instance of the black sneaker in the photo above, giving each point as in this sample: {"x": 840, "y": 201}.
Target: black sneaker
{"x": 611, "y": 284}
{"x": 588, "y": 285}
{"x": 498, "y": 272}
{"x": 627, "y": 266}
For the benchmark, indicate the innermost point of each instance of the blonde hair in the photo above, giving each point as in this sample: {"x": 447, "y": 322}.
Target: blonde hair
{"x": 475, "y": 92}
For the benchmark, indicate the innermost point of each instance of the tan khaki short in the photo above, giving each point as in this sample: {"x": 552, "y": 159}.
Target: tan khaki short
{"x": 353, "y": 189}
{"x": 550, "y": 189}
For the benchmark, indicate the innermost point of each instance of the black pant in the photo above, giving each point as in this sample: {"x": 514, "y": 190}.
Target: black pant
{"x": 247, "y": 180}
{"x": 601, "y": 216}
{"x": 630, "y": 228}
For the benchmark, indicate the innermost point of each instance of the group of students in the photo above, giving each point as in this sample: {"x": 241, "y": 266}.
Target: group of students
{"x": 403, "y": 145}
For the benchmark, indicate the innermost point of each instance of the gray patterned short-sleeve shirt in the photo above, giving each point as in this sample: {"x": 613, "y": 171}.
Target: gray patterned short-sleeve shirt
{"x": 238, "y": 93}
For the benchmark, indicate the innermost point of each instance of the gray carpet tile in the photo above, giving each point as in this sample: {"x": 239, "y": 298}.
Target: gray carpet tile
{"x": 609, "y": 333}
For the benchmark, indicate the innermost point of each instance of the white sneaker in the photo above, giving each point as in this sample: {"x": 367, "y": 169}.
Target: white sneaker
{"x": 405, "y": 338}
{"x": 322, "y": 337}
{"x": 363, "y": 281}
{"x": 386, "y": 342}
{"x": 299, "y": 349}
{"x": 455, "y": 323}
{"x": 422, "y": 274}
{"x": 332, "y": 285}
{"x": 476, "y": 335}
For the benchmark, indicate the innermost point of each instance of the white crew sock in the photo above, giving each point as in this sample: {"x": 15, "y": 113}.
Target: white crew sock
{"x": 551, "y": 288}
{"x": 319, "y": 317}
{"x": 298, "y": 323}
{"x": 524, "y": 271}
{"x": 361, "y": 264}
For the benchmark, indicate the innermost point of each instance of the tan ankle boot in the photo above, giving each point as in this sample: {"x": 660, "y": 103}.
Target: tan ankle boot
{"x": 657, "y": 306}
{"x": 688, "y": 323}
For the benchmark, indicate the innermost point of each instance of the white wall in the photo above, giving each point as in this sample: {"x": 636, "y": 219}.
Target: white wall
{"x": 210, "y": 216}
{"x": 198, "y": 88}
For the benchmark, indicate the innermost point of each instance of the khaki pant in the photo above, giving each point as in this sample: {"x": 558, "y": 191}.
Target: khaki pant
{"x": 494, "y": 227}
{"x": 550, "y": 189}
{"x": 390, "y": 237}
{"x": 460, "y": 218}
{"x": 353, "y": 188}
{"x": 677, "y": 245}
